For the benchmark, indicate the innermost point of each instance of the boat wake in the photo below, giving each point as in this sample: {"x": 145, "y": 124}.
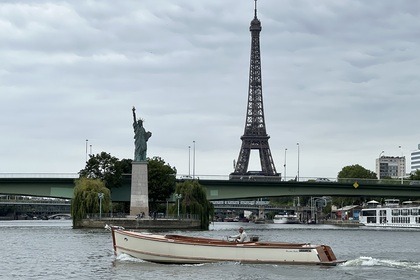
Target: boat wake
{"x": 127, "y": 258}
{"x": 369, "y": 261}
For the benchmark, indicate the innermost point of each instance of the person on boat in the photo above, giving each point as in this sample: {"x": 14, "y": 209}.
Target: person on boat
{"x": 241, "y": 237}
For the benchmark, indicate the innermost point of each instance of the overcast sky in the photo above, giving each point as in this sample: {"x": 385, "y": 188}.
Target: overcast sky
{"x": 339, "y": 77}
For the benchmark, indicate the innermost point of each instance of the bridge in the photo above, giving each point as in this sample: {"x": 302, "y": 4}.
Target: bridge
{"x": 59, "y": 186}
{"x": 228, "y": 189}
{"x": 39, "y": 208}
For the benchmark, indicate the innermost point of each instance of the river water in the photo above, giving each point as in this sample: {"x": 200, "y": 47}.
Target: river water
{"x": 53, "y": 250}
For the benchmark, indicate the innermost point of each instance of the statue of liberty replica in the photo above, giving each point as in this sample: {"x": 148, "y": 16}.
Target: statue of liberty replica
{"x": 140, "y": 137}
{"x": 139, "y": 200}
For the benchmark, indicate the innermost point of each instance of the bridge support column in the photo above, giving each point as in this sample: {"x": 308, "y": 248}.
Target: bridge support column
{"x": 139, "y": 200}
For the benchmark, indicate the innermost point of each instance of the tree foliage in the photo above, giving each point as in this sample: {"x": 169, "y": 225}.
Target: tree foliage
{"x": 353, "y": 172}
{"x": 415, "y": 175}
{"x": 86, "y": 199}
{"x": 161, "y": 181}
{"x": 356, "y": 171}
{"x": 107, "y": 168}
{"x": 194, "y": 201}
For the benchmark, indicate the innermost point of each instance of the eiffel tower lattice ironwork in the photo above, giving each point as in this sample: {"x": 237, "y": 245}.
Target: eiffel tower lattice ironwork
{"x": 255, "y": 136}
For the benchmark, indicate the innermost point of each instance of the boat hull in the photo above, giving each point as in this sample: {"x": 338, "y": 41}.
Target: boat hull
{"x": 391, "y": 225}
{"x": 178, "y": 249}
{"x": 285, "y": 221}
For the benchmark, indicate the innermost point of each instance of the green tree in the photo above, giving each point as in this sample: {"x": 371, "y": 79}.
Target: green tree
{"x": 161, "y": 176}
{"x": 86, "y": 199}
{"x": 161, "y": 180}
{"x": 107, "y": 168}
{"x": 356, "y": 171}
{"x": 194, "y": 201}
{"x": 415, "y": 175}
{"x": 353, "y": 172}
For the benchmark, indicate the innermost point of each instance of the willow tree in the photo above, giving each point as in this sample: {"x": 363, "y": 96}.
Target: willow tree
{"x": 87, "y": 199}
{"x": 194, "y": 201}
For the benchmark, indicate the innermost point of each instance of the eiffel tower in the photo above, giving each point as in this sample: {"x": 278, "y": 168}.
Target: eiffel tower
{"x": 255, "y": 136}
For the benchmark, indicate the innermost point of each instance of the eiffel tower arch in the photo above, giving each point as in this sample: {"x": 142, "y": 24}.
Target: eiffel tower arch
{"x": 255, "y": 136}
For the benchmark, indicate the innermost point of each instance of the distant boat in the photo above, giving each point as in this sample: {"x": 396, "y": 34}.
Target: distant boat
{"x": 59, "y": 217}
{"x": 178, "y": 249}
{"x": 286, "y": 218}
{"x": 392, "y": 214}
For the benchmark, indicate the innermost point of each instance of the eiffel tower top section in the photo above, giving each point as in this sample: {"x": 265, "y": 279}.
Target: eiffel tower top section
{"x": 255, "y": 124}
{"x": 255, "y": 23}
{"x": 255, "y": 136}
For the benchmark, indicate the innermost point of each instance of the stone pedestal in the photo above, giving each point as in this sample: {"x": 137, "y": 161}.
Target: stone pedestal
{"x": 139, "y": 201}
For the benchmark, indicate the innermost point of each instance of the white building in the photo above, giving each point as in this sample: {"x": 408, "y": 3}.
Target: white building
{"x": 390, "y": 167}
{"x": 415, "y": 159}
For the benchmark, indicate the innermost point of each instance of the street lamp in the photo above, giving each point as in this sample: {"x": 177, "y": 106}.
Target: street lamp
{"x": 402, "y": 166}
{"x": 285, "y": 150}
{"x": 193, "y": 159}
{"x": 189, "y": 162}
{"x": 86, "y": 149}
{"x": 100, "y": 196}
{"x": 178, "y": 196}
{"x": 298, "y": 156}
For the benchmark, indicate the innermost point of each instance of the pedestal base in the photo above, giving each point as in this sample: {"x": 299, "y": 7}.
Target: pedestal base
{"x": 139, "y": 202}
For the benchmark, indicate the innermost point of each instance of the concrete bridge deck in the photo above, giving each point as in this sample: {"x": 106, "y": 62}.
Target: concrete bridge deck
{"x": 62, "y": 187}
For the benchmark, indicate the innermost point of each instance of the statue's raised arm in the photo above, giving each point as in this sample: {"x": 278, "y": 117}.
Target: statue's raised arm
{"x": 134, "y": 113}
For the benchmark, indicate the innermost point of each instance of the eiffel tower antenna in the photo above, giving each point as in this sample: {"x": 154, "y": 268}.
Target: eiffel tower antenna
{"x": 255, "y": 136}
{"x": 255, "y": 9}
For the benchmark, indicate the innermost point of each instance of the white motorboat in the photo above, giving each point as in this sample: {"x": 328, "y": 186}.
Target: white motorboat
{"x": 286, "y": 218}
{"x": 392, "y": 214}
{"x": 178, "y": 249}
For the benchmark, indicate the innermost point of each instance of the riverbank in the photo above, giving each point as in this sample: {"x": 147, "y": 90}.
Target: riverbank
{"x": 341, "y": 223}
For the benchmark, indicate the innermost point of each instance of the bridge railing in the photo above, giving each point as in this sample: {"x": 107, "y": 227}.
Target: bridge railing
{"x": 159, "y": 216}
{"x": 39, "y": 175}
{"x": 376, "y": 181}
{"x": 36, "y": 201}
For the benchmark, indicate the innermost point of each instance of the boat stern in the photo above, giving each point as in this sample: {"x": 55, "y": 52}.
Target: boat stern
{"x": 326, "y": 255}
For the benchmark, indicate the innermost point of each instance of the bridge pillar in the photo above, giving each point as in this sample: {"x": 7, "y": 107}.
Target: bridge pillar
{"x": 139, "y": 200}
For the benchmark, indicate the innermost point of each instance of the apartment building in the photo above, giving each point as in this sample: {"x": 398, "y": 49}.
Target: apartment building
{"x": 390, "y": 167}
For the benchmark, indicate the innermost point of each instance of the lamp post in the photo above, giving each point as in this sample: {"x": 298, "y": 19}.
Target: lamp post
{"x": 189, "y": 162}
{"x": 285, "y": 150}
{"x": 178, "y": 196}
{"x": 402, "y": 164}
{"x": 193, "y": 160}
{"x": 100, "y": 196}
{"x": 379, "y": 164}
{"x": 298, "y": 157}
{"x": 86, "y": 150}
